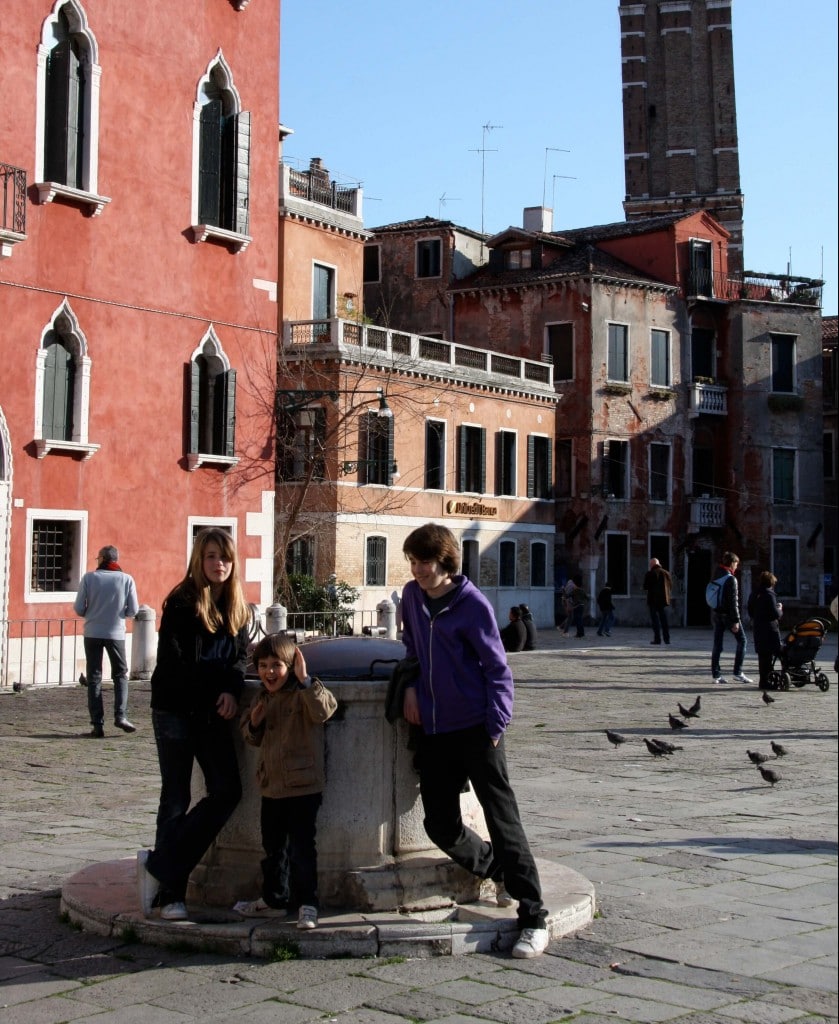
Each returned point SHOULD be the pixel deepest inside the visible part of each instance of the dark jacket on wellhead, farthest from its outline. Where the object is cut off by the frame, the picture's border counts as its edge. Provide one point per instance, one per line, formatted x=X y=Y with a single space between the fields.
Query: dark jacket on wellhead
x=194 y=666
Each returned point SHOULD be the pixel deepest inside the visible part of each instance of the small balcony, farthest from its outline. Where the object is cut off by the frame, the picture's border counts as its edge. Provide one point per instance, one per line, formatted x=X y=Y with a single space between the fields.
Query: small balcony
x=302 y=190
x=707 y=511
x=707 y=284
x=12 y=208
x=398 y=349
x=707 y=398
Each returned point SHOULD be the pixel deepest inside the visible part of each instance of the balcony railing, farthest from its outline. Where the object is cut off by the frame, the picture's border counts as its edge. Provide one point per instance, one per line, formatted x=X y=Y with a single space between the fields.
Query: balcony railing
x=708 y=398
x=314 y=188
x=803 y=291
x=12 y=207
x=706 y=511
x=337 y=333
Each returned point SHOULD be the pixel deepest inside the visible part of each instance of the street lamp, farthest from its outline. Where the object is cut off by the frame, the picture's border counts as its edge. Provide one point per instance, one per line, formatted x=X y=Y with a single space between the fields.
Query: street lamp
x=300 y=398
x=355 y=465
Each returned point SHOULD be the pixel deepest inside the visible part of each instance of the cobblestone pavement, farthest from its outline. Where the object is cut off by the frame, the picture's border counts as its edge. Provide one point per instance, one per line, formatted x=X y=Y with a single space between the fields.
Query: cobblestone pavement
x=716 y=891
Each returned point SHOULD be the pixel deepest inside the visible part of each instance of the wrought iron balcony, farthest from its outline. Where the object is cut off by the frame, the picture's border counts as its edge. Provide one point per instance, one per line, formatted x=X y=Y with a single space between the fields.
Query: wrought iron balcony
x=12 y=207
x=314 y=186
x=707 y=284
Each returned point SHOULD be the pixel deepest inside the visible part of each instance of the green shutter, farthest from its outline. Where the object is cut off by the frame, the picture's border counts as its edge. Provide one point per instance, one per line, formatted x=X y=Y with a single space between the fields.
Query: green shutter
x=59 y=377
x=194 y=385
x=209 y=165
x=230 y=413
x=62 y=142
x=482 y=465
x=242 y=171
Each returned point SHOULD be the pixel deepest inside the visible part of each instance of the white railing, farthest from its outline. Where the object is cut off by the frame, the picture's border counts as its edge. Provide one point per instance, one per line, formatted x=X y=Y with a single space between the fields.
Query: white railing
x=708 y=398
x=707 y=511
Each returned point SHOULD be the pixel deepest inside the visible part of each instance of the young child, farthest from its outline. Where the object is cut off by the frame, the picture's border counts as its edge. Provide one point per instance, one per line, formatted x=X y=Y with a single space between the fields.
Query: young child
x=286 y=722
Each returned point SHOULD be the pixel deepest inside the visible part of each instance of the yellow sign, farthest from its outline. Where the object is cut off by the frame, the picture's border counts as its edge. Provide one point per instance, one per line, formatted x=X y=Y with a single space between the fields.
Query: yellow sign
x=470 y=508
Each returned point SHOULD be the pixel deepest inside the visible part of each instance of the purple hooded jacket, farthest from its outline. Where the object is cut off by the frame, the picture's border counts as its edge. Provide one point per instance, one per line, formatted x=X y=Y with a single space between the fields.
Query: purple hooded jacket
x=464 y=677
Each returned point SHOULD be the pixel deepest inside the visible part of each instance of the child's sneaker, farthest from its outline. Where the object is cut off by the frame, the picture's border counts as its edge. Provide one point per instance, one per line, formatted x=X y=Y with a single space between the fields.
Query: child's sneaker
x=532 y=942
x=307 y=918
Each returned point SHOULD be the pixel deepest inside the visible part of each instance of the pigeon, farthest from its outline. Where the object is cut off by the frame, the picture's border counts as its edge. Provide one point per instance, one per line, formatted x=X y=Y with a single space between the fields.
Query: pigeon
x=668 y=748
x=767 y=699
x=676 y=723
x=658 y=748
x=17 y=687
x=756 y=757
x=82 y=679
x=769 y=774
x=695 y=706
x=615 y=737
x=688 y=712
x=778 y=750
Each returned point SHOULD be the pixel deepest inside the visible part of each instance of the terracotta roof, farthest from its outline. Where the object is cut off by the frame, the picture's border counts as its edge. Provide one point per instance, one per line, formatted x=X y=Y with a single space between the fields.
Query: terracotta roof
x=425 y=224
x=829 y=327
x=578 y=261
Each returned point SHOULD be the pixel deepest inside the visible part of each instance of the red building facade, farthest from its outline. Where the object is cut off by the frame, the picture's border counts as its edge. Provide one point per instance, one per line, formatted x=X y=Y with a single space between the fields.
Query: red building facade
x=138 y=266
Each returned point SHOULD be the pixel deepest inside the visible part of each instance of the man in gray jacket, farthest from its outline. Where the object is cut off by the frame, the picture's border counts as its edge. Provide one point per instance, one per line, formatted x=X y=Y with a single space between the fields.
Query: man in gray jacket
x=106 y=597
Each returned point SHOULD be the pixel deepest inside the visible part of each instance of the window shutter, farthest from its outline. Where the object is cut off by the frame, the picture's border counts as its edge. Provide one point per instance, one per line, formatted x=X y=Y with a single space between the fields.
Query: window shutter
x=63 y=149
x=389 y=449
x=531 y=467
x=194 y=384
x=462 y=448
x=242 y=172
x=59 y=375
x=230 y=413
x=482 y=466
x=549 y=463
x=209 y=165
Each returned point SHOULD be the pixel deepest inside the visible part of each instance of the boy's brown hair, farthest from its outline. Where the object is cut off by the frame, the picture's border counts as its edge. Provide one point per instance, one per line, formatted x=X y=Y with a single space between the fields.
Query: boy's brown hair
x=276 y=645
x=433 y=543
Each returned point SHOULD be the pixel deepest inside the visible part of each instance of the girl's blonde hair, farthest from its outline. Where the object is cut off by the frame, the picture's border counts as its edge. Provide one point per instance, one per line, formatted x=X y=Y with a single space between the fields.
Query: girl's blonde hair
x=231 y=611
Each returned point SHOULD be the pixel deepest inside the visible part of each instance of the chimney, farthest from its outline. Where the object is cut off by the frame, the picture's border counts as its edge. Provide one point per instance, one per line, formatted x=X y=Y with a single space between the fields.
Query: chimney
x=538 y=218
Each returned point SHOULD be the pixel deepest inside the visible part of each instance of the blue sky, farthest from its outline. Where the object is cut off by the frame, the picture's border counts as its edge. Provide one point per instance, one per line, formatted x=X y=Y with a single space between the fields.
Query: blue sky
x=397 y=96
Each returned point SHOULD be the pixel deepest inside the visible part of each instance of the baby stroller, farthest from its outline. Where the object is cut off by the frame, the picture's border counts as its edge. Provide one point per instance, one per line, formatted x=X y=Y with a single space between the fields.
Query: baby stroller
x=797 y=658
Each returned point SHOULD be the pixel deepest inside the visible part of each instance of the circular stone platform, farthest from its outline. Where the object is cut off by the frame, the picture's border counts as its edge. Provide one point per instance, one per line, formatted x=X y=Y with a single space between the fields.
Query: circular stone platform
x=102 y=899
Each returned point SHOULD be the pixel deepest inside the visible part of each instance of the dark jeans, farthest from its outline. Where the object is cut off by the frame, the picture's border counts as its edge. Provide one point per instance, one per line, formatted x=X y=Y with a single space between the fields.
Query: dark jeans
x=577 y=619
x=93 y=648
x=606 y=623
x=765 y=660
x=661 y=627
x=290 y=867
x=445 y=762
x=721 y=627
x=184 y=833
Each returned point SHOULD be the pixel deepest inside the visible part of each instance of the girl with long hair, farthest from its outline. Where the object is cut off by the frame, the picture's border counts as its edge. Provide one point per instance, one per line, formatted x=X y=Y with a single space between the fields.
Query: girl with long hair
x=195 y=686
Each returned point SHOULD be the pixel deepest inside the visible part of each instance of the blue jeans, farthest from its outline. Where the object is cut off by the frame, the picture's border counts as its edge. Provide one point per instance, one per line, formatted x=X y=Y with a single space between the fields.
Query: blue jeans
x=184 y=833
x=606 y=622
x=445 y=762
x=93 y=648
x=290 y=866
x=721 y=627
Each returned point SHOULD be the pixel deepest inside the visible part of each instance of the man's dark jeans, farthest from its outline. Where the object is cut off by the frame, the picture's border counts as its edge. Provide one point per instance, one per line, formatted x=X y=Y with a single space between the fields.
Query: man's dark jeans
x=184 y=834
x=445 y=762
x=93 y=649
x=661 y=627
x=721 y=627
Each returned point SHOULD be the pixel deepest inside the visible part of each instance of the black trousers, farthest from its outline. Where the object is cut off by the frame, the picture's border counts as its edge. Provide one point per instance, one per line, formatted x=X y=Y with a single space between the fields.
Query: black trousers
x=290 y=866
x=445 y=761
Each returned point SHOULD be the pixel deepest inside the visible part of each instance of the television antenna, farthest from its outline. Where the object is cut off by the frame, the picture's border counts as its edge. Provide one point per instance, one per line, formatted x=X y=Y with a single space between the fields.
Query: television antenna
x=441 y=202
x=487 y=128
x=570 y=177
x=549 y=149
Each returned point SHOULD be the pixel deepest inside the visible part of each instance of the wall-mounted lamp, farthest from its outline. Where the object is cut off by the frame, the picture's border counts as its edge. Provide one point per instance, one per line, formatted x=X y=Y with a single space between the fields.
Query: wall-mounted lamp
x=354 y=467
x=292 y=400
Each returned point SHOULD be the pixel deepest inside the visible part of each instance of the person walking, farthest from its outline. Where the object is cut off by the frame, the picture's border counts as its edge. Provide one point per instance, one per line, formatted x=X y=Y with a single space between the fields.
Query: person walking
x=514 y=634
x=285 y=721
x=578 y=605
x=658 y=584
x=765 y=611
x=195 y=688
x=727 y=620
x=462 y=702
x=530 y=627
x=607 y=610
x=106 y=597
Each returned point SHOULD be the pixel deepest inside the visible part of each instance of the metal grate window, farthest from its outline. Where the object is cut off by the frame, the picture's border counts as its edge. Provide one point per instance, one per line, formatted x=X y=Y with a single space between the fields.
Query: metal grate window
x=375 y=575
x=52 y=550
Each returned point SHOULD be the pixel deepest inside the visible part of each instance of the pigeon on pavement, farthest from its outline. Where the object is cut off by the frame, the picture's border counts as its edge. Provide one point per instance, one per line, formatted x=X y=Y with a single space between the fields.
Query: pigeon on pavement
x=676 y=723
x=769 y=774
x=767 y=699
x=657 y=747
x=777 y=749
x=615 y=737
x=654 y=748
x=756 y=757
x=688 y=712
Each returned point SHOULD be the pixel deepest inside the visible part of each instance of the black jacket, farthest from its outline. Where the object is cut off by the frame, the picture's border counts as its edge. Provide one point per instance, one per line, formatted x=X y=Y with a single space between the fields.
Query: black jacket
x=194 y=666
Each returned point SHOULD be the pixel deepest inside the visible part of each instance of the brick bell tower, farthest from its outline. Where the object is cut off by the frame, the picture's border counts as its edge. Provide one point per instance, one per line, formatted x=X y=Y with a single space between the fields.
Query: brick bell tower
x=679 y=114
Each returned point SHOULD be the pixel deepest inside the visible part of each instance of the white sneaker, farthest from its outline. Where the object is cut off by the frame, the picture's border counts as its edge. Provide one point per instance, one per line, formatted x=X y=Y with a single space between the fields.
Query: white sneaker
x=502 y=897
x=720 y=680
x=307 y=918
x=147 y=885
x=174 y=912
x=741 y=677
x=532 y=942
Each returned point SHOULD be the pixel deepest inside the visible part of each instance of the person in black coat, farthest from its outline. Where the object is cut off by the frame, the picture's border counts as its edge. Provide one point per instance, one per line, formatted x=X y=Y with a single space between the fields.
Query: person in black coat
x=514 y=634
x=765 y=610
x=530 y=626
